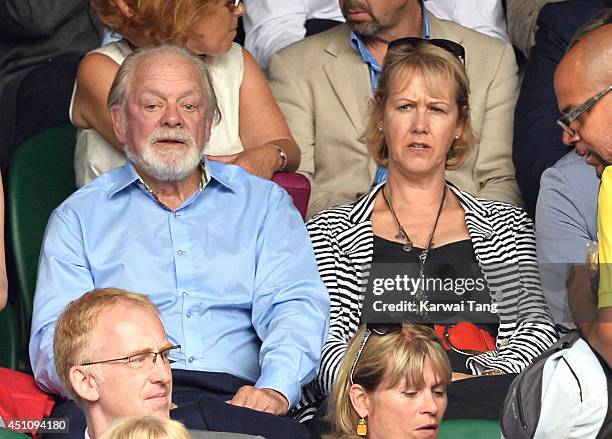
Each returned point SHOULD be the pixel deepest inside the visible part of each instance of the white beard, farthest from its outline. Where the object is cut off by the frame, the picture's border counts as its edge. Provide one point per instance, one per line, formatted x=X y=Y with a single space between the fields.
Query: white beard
x=167 y=164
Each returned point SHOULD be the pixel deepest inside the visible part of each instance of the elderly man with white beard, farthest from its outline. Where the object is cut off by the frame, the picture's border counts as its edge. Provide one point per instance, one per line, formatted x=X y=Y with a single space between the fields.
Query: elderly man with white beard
x=224 y=255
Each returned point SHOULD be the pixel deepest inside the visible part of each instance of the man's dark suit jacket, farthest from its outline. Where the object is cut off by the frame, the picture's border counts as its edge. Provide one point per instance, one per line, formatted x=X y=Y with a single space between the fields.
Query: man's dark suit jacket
x=537 y=141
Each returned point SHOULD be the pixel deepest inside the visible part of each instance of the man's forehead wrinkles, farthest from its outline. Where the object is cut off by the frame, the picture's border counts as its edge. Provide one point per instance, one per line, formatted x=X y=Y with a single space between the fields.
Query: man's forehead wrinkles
x=194 y=91
x=168 y=76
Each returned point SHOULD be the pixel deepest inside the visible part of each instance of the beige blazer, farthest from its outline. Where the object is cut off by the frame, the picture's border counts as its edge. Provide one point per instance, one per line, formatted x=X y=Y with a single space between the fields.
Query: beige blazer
x=323 y=88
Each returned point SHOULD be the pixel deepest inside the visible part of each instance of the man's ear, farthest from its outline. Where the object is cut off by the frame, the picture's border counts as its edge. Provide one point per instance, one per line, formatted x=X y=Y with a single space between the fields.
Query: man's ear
x=84 y=383
x=360 y=400
x=118 y=128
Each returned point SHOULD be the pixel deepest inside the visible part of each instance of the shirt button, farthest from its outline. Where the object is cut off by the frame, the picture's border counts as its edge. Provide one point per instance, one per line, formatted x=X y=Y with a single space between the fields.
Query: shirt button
x=188 y=314
x=185 y=293
x=180 y=252
x=176 y=214
x=190 y=359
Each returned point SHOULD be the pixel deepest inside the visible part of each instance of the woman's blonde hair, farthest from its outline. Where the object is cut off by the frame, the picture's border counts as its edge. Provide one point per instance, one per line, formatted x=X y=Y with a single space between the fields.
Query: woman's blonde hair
x=154 y=22
x=390 y=358
x=435 y=65
x=148 y=427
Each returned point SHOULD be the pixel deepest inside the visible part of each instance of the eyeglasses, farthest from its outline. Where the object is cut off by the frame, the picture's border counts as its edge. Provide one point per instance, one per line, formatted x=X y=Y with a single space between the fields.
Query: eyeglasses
x=450 y=46
x=565 y=121
x=378 y=329
x=143 y=359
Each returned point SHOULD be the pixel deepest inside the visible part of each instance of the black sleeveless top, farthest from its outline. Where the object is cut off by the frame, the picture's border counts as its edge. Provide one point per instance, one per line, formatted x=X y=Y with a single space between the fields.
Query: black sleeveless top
x=454 y=286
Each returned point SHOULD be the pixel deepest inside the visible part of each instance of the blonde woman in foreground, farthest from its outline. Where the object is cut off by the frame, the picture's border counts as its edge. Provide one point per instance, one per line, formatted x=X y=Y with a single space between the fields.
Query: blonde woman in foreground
x=149 y=427
x=392 y=383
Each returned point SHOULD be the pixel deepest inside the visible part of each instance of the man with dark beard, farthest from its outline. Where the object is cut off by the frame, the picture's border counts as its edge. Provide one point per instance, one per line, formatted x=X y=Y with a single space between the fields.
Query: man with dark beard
x=224 y=255
x=324 y=82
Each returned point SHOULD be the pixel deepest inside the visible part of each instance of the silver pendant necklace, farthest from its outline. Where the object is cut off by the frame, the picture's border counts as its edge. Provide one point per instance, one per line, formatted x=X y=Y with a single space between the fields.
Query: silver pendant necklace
x=408 y=245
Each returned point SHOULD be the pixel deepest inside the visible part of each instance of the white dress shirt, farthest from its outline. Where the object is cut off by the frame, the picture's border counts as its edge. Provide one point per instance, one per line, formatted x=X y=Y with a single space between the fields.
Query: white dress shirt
x=271 y=25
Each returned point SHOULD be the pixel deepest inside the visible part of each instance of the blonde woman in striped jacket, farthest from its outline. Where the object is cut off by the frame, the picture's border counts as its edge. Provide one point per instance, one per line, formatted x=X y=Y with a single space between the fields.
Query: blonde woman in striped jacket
x=420 y=127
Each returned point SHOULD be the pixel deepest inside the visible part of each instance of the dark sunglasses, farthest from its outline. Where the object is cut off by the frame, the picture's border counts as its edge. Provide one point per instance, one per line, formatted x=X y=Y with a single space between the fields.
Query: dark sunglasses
x=450 y=46
x=378 y=329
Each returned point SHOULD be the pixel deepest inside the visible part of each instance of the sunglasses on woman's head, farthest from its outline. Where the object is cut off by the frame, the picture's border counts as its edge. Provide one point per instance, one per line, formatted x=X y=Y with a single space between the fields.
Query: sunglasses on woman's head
x=378 y=329
x=450 y=46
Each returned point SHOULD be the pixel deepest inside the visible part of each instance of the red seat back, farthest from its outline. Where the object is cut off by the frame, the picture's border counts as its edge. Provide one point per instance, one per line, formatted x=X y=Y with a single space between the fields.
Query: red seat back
x=297 y=186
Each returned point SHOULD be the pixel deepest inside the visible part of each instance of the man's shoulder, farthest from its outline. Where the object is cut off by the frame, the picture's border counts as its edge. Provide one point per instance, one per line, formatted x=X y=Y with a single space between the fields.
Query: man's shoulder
x=468 y=37
x=561 y=12
x=242 y=183
x=573 y=167
x=571 y=178
x=334 y=39
x=488 y=61
x=558 y=21
x=94 y=193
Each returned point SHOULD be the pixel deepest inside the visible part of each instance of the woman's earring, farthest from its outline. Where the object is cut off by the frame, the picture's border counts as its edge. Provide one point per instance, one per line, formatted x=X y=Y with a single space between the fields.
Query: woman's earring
x=362 y=427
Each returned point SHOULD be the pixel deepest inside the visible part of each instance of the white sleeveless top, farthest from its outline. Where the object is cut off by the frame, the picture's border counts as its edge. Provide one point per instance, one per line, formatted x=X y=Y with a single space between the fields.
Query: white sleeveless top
x=94 y=155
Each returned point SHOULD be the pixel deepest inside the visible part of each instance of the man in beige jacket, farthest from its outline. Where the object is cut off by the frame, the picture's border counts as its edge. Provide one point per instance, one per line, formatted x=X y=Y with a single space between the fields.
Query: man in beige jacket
x=323 y=85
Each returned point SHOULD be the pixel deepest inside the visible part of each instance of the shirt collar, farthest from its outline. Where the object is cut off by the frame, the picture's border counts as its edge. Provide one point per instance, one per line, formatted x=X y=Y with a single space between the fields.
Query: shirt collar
x=127 y=175
x=362 y=208
x=359 y=46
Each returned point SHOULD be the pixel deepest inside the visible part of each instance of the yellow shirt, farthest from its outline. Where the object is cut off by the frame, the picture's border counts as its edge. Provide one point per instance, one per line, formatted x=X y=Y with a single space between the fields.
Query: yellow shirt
x=604 y=229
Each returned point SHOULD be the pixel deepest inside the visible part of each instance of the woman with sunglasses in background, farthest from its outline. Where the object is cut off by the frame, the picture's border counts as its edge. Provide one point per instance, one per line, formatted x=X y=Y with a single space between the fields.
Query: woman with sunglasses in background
x=472 y=261
x=391 y=384
x=252 y=132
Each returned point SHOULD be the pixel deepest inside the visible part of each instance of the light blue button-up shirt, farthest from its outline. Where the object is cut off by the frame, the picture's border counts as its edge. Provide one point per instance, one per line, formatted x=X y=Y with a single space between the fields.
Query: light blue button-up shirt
x=232 y=271
x=375 y=70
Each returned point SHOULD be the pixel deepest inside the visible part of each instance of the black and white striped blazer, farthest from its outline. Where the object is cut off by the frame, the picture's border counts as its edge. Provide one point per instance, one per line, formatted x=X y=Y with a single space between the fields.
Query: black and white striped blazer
x=504 y=244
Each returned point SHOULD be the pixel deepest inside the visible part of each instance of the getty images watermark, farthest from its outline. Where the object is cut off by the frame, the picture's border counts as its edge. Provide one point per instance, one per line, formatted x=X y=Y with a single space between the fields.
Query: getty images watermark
x=387 y=291
x=444 y=292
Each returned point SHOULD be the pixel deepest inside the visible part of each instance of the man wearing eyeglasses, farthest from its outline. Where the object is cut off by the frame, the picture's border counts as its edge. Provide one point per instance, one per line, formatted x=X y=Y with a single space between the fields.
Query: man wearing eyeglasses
x=566 y=213
x=113 y=356
x=582 y=80
x=323 y=85
x=583 y=84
